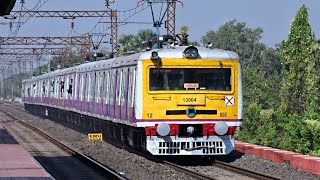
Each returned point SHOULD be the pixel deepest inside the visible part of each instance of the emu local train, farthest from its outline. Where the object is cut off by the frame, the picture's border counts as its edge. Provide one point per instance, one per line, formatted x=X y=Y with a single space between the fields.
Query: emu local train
x=182 y=100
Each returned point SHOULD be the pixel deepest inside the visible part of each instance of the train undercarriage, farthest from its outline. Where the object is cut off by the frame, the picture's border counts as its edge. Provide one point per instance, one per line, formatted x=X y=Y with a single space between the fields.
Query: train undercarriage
x=114 y=133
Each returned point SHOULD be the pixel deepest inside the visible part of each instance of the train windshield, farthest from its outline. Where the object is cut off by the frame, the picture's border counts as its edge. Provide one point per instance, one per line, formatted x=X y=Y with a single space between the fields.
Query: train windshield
x=217 y=79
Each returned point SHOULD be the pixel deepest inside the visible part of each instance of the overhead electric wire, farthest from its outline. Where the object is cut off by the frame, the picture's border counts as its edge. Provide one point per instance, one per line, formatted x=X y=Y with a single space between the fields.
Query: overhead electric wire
x=21 y=21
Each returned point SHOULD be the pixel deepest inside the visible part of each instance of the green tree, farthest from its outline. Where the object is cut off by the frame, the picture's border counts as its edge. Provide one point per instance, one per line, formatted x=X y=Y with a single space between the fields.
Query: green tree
x=133 y=42
x=237 y=37
x=127 y=42
x=260 y=64
x=300 y=81
x=261 y=77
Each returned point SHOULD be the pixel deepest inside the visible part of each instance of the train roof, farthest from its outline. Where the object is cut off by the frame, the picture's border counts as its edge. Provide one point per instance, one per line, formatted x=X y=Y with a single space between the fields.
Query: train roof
x=175 y=52
x=204 y=53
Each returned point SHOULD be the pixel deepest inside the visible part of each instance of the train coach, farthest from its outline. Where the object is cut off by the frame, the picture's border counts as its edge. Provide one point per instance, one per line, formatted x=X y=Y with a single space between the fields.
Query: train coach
x=182 y=100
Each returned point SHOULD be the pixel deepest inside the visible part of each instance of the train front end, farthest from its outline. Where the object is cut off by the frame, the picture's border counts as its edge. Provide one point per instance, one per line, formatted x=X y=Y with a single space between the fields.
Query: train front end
x=190 y=100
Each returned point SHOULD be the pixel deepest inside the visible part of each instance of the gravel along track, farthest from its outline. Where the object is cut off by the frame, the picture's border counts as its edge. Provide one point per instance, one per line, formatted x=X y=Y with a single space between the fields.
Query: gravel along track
x=56 y=161
x=137 y=167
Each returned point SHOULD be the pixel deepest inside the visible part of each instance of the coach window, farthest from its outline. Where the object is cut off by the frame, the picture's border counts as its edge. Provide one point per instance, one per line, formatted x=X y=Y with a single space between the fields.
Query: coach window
x=52 y=88
x=70 y=87
x=43 y=88
x=96 y=88
x=101 y=85
x=129 y=86
x=61 y=88
x=123 y=87
x=81 y=88
x=107 y=87
x=65 y=92
x=88 y=85
x=76 y=77
x=84 y=84
x=28 y=90
x=118 y=86
x=110 y=82
x=56 y=88
x=102 y=74
x=34 y=90
x=37 y=88
x=92 y=87
x=112 y=86
x=48 y=88
x=40 y=89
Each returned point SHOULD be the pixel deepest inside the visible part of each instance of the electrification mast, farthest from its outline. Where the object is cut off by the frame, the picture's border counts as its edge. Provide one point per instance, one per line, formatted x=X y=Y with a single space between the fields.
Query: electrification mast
x=171 y=17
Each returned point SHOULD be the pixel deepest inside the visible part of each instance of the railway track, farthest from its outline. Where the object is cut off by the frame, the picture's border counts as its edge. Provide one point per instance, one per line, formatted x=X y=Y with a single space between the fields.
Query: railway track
x=246 y=172
x=197 y=175
x=221 y=165
x=61 y=161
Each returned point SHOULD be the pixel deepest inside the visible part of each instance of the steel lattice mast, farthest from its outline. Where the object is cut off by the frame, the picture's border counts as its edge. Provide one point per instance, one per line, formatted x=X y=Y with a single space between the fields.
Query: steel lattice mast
x=171 y=17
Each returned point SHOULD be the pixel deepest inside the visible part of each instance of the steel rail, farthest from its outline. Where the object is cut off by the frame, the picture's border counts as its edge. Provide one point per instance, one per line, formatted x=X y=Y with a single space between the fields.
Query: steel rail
x=243 y=171
x=89 y=161
x=187 y=171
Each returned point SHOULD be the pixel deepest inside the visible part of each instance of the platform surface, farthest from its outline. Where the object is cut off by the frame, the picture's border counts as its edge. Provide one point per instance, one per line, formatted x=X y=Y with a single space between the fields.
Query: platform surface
x=16 y=162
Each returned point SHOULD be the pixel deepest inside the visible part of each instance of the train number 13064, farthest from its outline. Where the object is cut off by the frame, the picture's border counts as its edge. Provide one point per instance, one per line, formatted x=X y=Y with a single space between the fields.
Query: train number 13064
x=189 y=99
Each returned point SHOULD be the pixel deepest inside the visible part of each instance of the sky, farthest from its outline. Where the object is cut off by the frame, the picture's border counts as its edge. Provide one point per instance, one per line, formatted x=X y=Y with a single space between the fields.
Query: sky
x=201 y=16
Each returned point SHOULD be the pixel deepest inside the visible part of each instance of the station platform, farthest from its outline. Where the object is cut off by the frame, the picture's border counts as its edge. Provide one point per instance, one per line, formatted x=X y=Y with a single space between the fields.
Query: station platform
x=16 y=162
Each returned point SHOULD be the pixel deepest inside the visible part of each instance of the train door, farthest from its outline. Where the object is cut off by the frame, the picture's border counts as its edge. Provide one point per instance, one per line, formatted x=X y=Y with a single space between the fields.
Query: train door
x=58 y=91
x=69 y=90
x=93 y=91
x=131 y=93
x=101 y=80
x=55 y=93
x=106 y=101
x=88 y=86
x=65 y=92
x=98 y=91
x=76 y=91
x=113 y=91
x=118 y=93
x=61 y=89
x=124 y=94
x=48 y=91
x=84 y=92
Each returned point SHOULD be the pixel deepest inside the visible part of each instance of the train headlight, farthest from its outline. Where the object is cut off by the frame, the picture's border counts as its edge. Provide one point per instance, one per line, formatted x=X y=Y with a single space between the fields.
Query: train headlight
x=191 y=112
x=191 y=52
x=154 y=55
x=221 y=128
x=163 y=129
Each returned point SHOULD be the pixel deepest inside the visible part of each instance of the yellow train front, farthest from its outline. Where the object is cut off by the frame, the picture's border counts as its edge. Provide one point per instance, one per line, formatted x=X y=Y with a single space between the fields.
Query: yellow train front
x=189 y=100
